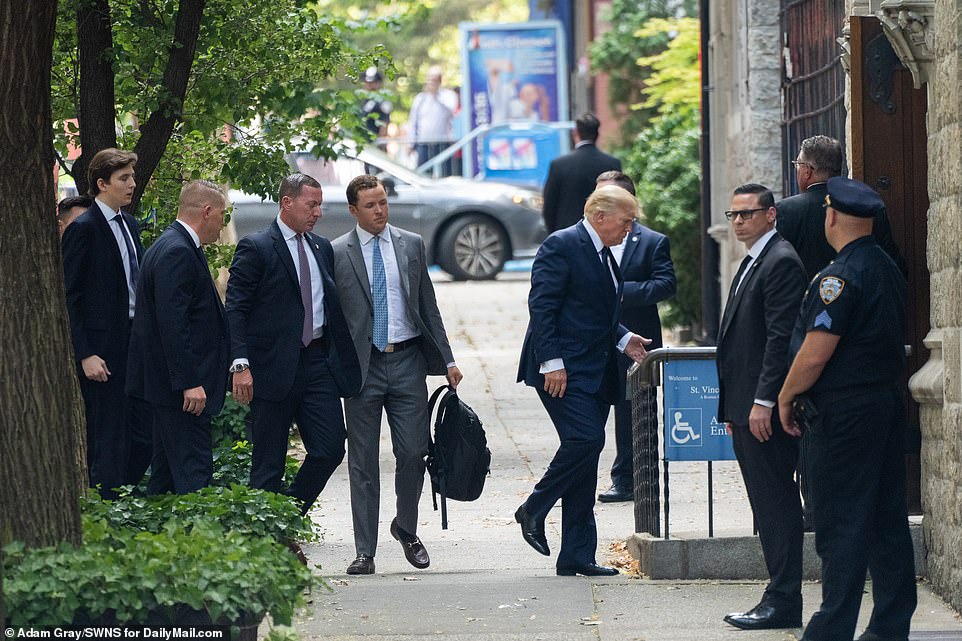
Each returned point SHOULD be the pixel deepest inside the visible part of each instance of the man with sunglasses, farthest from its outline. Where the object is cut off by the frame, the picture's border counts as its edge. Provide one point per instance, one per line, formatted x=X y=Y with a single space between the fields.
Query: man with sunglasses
x=763 y=302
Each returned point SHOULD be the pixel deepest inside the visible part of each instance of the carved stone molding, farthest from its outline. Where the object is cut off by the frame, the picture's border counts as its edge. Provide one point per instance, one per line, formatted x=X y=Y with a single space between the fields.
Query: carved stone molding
x=908 y=24
x=927 y=385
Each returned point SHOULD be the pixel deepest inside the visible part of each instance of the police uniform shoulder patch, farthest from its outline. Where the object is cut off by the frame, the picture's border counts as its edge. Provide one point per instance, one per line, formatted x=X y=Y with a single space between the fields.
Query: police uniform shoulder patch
x=829 y=288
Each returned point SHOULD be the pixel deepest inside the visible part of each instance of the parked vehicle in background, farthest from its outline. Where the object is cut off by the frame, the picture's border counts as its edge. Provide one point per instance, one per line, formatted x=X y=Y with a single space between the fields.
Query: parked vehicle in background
x=469 y=228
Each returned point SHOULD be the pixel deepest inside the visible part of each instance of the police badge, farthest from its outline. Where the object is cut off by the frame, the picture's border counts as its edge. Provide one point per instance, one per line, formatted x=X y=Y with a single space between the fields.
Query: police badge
x=829 y=288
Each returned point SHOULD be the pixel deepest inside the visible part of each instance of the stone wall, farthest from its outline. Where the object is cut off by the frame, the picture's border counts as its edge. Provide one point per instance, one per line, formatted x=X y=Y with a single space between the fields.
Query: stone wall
x=942 y=412
x=745 y=76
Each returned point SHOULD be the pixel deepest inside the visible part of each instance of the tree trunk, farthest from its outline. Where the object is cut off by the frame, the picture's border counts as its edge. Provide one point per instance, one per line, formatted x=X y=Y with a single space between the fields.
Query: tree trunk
x=156 y=131
x=97 y=109
x=41 y=414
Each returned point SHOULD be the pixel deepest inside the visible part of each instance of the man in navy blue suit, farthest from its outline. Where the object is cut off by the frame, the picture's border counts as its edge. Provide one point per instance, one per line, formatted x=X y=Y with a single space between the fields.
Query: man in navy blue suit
x=644 y=257
x=101 y=260
x=570 y=357
x=292 y=352
x=179 y=348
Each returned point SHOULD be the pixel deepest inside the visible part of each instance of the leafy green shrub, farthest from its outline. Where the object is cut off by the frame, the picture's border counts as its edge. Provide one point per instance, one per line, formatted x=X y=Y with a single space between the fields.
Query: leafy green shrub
x=231 y=424
x=123 y=576
x=254 y=513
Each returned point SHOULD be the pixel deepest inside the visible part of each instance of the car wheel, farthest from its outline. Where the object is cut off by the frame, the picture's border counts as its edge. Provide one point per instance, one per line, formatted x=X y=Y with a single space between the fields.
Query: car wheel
x=473 y=248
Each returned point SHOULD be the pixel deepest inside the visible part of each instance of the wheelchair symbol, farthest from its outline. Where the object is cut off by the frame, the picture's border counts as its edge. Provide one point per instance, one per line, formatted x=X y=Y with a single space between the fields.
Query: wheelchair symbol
x=682 y=431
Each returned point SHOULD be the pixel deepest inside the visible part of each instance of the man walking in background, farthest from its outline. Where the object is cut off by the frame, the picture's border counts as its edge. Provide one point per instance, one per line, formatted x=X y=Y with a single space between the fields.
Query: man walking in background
x=644 y=257
x=101 y=261
x=288 y=335
x=431 y=118
x=571 y=178
x=763 y=303
x=399 y=338
x=179 y=347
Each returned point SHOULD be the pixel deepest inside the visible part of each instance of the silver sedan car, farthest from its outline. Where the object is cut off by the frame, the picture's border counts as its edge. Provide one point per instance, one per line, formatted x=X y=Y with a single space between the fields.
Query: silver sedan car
x=469 y=228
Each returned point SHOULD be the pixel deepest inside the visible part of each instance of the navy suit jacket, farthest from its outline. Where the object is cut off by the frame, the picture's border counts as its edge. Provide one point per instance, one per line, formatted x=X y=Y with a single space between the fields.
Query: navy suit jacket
x=96 y=288
x=266 y=316
x=649 y=277
x=752 y=356
x=571 y=179
x=573 y=315
x=179 y=338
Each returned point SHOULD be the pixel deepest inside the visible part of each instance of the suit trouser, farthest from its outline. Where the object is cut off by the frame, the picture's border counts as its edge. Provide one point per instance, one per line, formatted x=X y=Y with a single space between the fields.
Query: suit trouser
x=768 y=470
x=183 y=457
x=314 y=403
x=572 y=475
x=119 y=428
x=395 y=384
x=856 y=467
x=623 y=468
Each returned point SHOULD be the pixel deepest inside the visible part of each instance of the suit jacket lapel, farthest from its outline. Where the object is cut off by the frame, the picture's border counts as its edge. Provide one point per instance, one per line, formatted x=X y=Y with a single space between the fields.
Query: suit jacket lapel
x=749 y=275
x=598 y=266
x=100 y=221
x=280 y=246
x=631 y=245
x=357 y=262
x=400 y=254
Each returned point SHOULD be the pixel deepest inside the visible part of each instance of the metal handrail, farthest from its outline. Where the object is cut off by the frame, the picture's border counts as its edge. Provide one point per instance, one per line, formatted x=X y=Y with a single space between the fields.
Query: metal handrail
x=646 y=372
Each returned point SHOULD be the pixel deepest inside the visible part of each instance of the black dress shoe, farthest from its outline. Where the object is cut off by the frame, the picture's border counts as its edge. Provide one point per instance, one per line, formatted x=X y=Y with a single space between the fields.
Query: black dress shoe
x=591 y=569
x=616 y=494
x=414 y=550
x=532 y=531
x=868 y=635
x=765 y=616
x=361 y=565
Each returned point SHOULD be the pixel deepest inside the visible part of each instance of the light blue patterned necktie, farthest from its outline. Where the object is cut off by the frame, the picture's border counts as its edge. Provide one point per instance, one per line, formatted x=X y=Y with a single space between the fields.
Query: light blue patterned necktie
x=379 y=294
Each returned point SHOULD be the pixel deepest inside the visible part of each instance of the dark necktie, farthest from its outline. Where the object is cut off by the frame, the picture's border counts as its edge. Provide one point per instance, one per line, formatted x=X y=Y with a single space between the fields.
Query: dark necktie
x=379 y=294
x=736 y=283
x=307 y=300
x=131 y=252
x=611 y=267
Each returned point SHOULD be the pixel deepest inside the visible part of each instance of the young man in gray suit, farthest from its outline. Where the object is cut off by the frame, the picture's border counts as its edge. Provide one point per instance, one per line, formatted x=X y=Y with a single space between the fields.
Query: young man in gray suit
x=394 y=321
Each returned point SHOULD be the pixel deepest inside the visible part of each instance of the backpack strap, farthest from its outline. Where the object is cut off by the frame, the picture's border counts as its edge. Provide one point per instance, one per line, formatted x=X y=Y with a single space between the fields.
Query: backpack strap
x=442 y=484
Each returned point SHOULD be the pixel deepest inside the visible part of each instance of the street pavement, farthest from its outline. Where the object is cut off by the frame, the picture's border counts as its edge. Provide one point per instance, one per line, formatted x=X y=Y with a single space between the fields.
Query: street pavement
x=485 y=583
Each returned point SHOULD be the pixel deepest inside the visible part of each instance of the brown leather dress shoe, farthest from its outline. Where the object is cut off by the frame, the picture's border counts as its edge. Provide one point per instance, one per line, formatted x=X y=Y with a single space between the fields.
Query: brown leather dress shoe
x=414 y=550
x=361 y=565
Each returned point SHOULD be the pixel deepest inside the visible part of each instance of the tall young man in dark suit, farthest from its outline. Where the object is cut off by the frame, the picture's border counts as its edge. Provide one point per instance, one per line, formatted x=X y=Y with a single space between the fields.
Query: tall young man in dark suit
x=571 y=178
x=291 y=349
x=179 y=347
x=101 y=259
x=388 y=298
x=644 y=257
x=763 y=302
x=570 y=357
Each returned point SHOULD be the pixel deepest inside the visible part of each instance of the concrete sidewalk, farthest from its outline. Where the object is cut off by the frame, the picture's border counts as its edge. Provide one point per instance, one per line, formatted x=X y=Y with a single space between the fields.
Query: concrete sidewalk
x=484 y=582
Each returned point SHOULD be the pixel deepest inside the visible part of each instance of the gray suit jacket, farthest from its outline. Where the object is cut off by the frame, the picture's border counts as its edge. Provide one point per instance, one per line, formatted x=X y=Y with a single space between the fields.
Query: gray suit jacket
x=354 y=289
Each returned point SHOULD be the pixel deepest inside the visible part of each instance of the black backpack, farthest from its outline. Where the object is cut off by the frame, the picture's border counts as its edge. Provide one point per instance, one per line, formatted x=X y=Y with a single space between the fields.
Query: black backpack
x=458 y=457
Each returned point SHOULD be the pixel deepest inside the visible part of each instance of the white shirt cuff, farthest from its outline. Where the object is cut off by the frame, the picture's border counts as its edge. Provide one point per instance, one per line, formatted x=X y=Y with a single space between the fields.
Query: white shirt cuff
x=552 y=365
x=623 y=343
x=240 y=361
x=768 y=404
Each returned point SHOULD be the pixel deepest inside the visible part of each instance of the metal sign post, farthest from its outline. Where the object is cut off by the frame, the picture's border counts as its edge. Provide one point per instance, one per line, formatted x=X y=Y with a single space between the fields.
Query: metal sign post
x=691 y=428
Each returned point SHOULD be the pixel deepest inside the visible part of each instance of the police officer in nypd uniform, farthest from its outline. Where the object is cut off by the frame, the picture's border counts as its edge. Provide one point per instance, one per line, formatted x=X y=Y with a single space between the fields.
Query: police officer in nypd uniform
x=847 y=362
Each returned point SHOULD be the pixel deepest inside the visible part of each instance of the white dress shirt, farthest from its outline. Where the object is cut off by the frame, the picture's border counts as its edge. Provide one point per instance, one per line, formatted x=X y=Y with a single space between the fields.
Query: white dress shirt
x=399 y=325
x=317 y=285
x=119 y=229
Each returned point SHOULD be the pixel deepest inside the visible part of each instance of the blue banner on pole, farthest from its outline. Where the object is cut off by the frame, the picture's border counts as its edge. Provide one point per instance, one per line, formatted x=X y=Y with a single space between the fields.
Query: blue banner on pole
x=692 y=430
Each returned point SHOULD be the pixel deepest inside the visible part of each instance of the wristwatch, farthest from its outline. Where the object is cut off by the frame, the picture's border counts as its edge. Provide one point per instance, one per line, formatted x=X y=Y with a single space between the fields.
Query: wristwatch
x=239 y=367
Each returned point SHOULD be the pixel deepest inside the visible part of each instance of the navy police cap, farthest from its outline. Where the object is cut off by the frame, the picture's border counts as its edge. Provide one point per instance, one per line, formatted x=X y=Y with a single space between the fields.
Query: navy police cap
x=853 y=197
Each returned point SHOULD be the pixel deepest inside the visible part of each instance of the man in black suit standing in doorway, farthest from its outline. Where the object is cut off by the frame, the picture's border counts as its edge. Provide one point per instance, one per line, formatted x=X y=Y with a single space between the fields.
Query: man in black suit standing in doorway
x=179 y=348
x=752 y=361
x=571 y=178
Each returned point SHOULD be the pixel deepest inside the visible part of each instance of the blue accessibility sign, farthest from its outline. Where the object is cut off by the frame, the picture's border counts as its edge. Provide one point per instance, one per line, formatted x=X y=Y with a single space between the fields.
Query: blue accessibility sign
x=692 y=430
